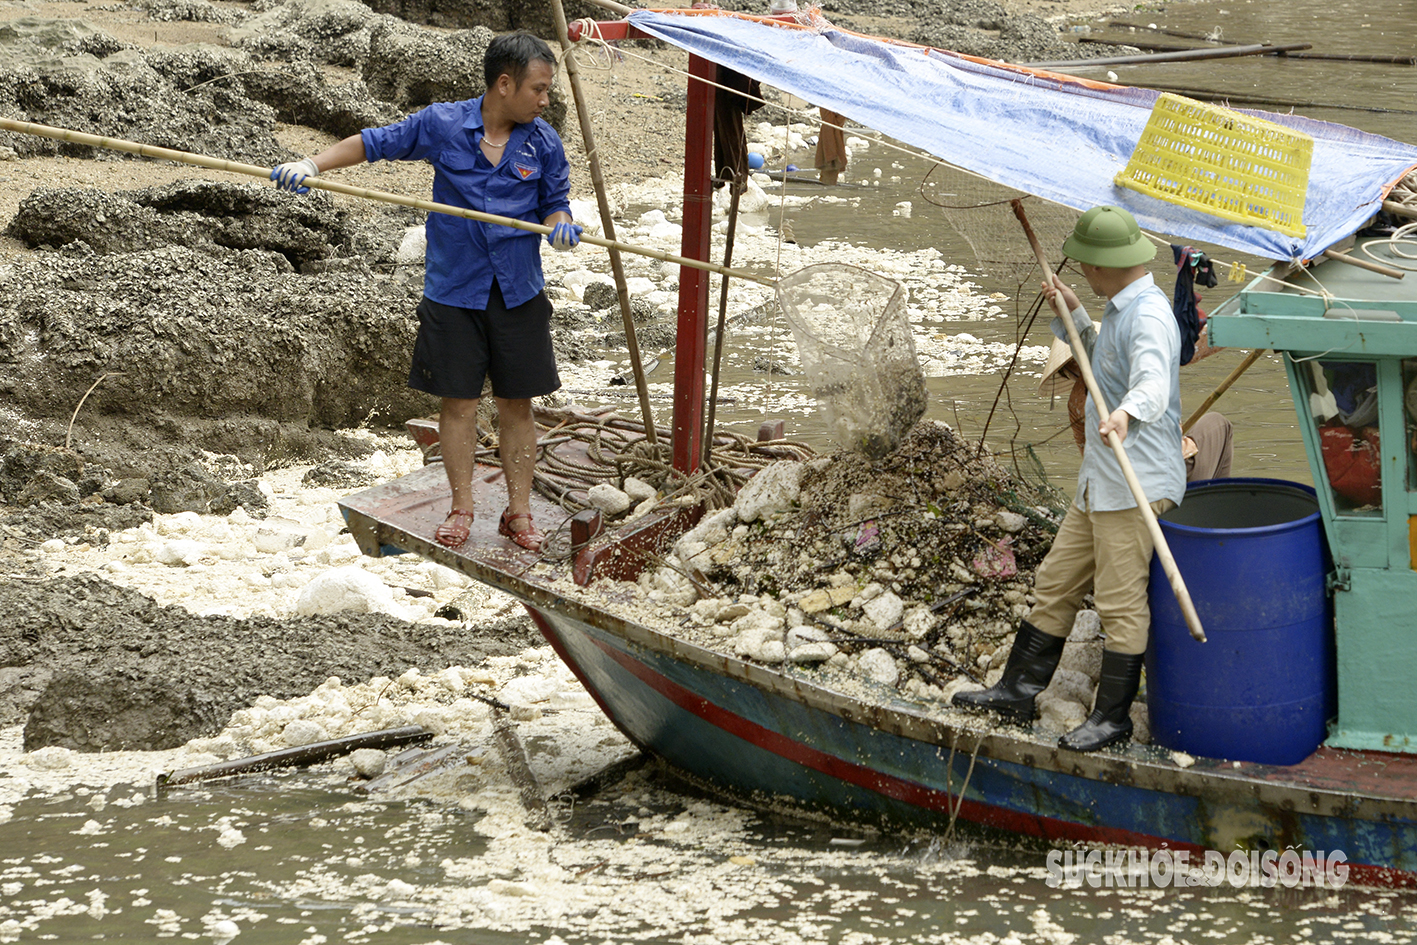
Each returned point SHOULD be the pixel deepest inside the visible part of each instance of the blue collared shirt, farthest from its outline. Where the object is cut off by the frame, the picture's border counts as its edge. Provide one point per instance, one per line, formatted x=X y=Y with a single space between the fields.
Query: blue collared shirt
x=532 y=181
x=1136 y=358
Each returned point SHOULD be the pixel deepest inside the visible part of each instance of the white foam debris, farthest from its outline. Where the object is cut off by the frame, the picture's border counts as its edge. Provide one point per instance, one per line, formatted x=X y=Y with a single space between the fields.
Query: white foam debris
x=228 y=836
x=638 y=490
x=302 y=732
x=349 y=589
x=179 y=553
x=368 y=762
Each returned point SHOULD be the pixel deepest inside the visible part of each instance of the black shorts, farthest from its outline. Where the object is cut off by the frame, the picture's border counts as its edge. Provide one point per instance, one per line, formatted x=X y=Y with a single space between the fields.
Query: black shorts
x=457 y=348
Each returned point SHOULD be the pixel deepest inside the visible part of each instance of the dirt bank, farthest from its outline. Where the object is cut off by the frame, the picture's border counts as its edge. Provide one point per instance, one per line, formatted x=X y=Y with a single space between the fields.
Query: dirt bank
x=95 y=667
x=170 y=335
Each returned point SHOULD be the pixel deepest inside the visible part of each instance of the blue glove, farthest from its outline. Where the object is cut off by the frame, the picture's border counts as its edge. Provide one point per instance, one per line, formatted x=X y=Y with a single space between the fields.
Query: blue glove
x=564 y=236
x=292 y=176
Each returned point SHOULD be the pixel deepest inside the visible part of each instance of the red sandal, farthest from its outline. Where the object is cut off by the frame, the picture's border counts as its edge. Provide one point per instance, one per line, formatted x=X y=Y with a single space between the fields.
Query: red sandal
x=529 y=538
x=455 y=528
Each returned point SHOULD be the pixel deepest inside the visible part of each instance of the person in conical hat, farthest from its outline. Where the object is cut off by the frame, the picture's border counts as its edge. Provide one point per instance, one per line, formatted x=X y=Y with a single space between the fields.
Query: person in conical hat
x=1103 y=545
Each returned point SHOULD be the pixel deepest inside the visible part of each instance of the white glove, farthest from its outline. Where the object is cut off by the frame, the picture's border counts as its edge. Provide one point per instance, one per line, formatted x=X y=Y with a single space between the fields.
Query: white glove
x=292 y=176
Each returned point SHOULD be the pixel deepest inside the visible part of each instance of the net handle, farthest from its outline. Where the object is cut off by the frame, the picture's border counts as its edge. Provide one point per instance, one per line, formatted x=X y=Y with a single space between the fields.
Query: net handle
x=1163 y=550
x=201 y=160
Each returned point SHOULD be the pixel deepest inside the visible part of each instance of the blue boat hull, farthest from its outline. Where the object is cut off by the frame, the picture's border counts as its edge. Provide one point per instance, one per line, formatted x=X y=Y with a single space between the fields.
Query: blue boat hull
x=749 y=739
x=781 y=733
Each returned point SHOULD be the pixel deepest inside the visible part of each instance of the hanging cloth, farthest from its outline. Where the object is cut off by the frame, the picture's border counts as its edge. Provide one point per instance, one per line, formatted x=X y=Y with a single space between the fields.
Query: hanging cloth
x=730 y=143
x=1192 y=266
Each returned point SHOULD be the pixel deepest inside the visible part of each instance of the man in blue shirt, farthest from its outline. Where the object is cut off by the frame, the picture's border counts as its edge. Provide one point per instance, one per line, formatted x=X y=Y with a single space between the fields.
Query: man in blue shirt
x=484 y=311
x=1103 y=545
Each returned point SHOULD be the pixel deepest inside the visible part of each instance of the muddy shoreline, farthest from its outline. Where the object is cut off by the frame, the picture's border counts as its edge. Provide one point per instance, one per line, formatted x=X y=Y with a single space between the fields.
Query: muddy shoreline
x=173 y=340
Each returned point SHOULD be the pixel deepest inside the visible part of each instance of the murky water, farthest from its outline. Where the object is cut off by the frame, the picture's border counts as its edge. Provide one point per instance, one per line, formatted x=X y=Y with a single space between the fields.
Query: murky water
x=645 y=858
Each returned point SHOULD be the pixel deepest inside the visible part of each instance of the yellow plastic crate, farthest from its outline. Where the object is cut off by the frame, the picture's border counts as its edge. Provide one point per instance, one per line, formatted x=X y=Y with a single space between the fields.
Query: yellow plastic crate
x=1221 y=162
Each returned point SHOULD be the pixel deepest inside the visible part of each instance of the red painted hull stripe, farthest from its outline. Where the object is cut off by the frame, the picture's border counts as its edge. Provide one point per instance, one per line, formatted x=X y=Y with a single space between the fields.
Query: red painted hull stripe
x=908 y=792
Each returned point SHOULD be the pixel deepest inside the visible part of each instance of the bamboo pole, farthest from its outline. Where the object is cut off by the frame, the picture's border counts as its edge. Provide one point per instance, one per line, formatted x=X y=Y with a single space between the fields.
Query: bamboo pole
x=1379 y=268
x=1401 y=209
x=1221 y=388
x=597 y=181
x=319 y=183
x=739 y=177
x=1163 y=550
x=613 y=7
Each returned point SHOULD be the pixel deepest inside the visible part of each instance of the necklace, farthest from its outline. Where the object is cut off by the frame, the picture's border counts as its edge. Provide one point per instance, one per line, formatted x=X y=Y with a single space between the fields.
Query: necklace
x=493 y=144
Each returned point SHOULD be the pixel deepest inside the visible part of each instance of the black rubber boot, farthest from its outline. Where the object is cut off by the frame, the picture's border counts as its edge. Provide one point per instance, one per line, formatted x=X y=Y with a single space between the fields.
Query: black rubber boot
x=1110 y=721
x=1032 y=660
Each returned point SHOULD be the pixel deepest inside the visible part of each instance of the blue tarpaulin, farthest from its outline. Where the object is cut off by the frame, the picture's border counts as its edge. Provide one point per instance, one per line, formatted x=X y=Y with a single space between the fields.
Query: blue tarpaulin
x=1059 y=138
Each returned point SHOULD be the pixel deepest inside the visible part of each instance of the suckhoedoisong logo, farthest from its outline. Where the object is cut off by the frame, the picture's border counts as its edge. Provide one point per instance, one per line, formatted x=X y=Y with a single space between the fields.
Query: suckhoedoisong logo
x=1133 y=869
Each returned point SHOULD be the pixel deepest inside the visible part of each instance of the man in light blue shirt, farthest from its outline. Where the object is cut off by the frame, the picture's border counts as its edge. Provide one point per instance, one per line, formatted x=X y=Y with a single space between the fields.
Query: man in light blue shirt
x=1103 y=545
x=484 y=313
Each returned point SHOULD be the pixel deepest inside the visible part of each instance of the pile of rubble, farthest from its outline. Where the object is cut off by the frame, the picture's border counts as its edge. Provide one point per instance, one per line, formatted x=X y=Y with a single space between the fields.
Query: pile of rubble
x=901 y=578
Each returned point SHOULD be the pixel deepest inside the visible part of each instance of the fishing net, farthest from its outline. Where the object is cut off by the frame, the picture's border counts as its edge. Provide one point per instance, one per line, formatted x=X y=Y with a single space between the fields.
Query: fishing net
x=854 y=338
x=1032 y=495
x=979 y=211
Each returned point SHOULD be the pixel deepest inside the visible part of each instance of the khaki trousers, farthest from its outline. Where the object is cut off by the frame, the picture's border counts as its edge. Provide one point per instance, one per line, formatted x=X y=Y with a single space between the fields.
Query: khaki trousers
x=1108 y=553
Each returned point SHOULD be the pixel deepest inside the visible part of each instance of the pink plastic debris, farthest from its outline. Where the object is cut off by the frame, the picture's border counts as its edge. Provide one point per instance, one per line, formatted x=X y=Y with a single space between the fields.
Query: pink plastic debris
x=996 y=560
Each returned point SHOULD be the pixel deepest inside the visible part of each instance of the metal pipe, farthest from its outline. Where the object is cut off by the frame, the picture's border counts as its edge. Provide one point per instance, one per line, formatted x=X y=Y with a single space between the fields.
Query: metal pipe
x=1240 y=98
x=1113 y=39
x=1355 y=57
x=295 y=757
x=1189 y=55
x=691 y=335
x=1163 y=30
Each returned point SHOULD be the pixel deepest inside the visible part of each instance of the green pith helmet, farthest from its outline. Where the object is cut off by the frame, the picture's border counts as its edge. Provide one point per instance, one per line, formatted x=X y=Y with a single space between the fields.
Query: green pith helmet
x=1109 y=236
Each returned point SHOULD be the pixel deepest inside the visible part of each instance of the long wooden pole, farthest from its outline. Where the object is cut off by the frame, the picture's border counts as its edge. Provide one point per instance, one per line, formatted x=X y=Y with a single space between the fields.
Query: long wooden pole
x=1163 y=550
x=1221 y=388
x=598 y=183
x=1379 y=268
x=613 y=7
x=1401 y=209
x=319 y=183
x=739 y=181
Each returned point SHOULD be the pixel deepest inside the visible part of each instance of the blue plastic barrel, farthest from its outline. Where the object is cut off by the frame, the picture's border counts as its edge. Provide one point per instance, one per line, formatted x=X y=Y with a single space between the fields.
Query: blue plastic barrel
x=1262 y=688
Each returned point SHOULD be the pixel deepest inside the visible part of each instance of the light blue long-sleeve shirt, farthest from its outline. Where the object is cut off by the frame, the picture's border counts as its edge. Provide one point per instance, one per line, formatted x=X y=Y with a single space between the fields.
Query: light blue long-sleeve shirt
x=1136 y=358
